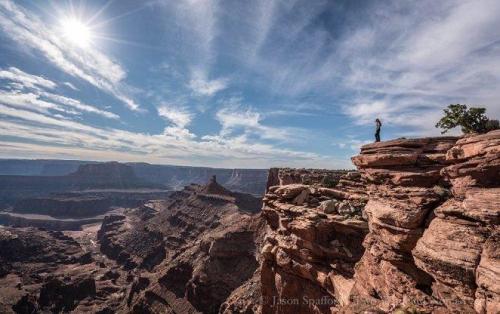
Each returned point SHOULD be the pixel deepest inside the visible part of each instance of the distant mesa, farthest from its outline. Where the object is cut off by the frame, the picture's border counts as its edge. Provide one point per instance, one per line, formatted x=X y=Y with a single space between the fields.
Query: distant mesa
x=93 y=176
x=109 y=170
x=107 y=175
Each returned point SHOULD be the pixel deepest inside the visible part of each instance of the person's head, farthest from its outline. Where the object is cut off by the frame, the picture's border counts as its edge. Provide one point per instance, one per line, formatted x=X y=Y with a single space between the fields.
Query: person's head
x=377 y=120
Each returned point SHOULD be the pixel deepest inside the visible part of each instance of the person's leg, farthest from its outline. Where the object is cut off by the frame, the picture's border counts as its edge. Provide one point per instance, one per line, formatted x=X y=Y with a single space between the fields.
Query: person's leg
x=377 y=136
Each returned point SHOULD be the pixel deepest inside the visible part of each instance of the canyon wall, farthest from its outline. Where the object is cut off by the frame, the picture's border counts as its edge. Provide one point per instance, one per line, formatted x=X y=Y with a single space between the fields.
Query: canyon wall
x=416 y=229
x=314 y=240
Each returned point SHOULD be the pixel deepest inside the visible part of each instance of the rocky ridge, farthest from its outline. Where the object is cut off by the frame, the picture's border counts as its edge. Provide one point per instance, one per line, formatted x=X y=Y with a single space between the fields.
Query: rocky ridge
x=192 y=250
x=415 y=230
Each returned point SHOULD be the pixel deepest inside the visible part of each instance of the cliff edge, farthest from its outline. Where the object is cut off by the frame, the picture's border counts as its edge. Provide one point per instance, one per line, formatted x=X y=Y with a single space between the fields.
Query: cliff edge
x=416 y=228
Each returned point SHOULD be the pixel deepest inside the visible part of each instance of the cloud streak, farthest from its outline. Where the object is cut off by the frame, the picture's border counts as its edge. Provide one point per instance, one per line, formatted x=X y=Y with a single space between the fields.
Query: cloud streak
x=49 y=132
x=30 y=91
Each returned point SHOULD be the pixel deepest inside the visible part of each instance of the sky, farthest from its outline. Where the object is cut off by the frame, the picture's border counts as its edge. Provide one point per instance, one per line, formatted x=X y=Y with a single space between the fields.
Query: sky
x=237 y=84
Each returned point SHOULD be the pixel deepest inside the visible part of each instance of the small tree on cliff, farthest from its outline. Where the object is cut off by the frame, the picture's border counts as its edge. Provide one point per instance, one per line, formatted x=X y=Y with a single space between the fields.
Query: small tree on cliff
x=471 y=120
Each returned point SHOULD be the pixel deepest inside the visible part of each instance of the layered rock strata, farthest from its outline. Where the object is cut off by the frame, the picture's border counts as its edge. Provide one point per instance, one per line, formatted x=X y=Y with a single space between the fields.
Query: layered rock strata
x=313 y=243
x=49 y=272
x=415 y=230
x=433 y=213
x=191 y=250
x=404 y=186
x=460 y=248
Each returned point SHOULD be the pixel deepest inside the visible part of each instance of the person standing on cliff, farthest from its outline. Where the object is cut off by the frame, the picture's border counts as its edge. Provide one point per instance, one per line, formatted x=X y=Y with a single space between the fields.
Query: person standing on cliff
x=378 y=125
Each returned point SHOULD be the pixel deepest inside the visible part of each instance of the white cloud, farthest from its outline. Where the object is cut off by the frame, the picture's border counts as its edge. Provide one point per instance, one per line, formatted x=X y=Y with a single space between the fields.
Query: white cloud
x=179 y=116
x=70 y=102
x=70 y=85
x=53 y=136
x=29 y=101
x=29 y=93
x=201 y=86
x=32 y=81
x=235 y=117
x=88 y=64
x=413 y=65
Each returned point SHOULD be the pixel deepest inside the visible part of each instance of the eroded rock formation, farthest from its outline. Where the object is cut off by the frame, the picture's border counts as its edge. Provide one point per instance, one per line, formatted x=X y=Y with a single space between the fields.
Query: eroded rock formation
x=314 y=242
x=404 y=186
x=188 y=253
x=460 y=248
x=415 y=230
x=192 y=250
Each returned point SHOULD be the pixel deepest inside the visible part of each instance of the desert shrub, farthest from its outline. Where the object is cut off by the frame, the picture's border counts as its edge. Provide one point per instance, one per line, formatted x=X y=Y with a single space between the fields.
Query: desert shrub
x=329 y=181
x=470 y=120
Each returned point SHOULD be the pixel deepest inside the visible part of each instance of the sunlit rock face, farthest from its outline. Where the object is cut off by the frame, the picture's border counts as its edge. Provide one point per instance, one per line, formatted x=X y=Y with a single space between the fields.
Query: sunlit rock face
x=433 y=212
x=460 y=248
x=415 y=229
x=404 y=186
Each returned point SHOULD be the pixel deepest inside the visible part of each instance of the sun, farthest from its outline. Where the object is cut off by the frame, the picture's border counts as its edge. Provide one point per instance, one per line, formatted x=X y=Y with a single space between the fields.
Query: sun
x=76 y=32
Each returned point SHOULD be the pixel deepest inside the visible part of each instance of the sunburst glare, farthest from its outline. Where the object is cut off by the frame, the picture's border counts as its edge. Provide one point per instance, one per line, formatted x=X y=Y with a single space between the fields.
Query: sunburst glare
x=76 y=32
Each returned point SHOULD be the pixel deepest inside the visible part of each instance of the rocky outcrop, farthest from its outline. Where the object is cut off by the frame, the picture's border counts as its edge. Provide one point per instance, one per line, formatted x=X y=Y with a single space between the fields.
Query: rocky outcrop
x=415 y=230
x=433 y=213
x=125 y=239
x=285 y=176
x=314 y=241
x=459 y=249
x=404 y=186
x=44 y=271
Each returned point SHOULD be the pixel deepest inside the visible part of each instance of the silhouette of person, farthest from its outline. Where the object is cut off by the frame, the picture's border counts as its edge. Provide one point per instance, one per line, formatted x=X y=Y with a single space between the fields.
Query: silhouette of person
x=378 y=125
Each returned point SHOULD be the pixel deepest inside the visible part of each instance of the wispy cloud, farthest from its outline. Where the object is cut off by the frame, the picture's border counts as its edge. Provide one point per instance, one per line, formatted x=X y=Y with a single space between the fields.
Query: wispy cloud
x=296 y=70
x=78 y=105
x=202 y=86
x=88 y=64
x=28 y=80
x=443 y=52
x=179 y=116
x=80 y=139
x=235 y=117
x=70 y=85
x=35 y=93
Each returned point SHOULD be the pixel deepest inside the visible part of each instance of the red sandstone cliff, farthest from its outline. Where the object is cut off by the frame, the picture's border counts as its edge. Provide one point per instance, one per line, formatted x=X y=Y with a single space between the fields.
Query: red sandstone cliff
x=427 y=239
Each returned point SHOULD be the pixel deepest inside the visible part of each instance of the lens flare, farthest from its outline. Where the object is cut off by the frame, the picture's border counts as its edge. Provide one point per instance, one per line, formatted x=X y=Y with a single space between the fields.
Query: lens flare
x=76 y=32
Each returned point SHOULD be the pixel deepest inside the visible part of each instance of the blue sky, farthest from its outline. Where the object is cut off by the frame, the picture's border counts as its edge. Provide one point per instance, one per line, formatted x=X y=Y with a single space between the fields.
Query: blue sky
x=250 y=84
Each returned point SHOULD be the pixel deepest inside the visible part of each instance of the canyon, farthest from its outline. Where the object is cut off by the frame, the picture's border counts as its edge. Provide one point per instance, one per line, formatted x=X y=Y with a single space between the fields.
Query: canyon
x=414 y=229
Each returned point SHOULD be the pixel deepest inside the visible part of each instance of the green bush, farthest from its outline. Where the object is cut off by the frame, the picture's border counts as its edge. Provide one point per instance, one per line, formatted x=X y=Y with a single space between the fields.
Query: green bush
x=471 y=120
